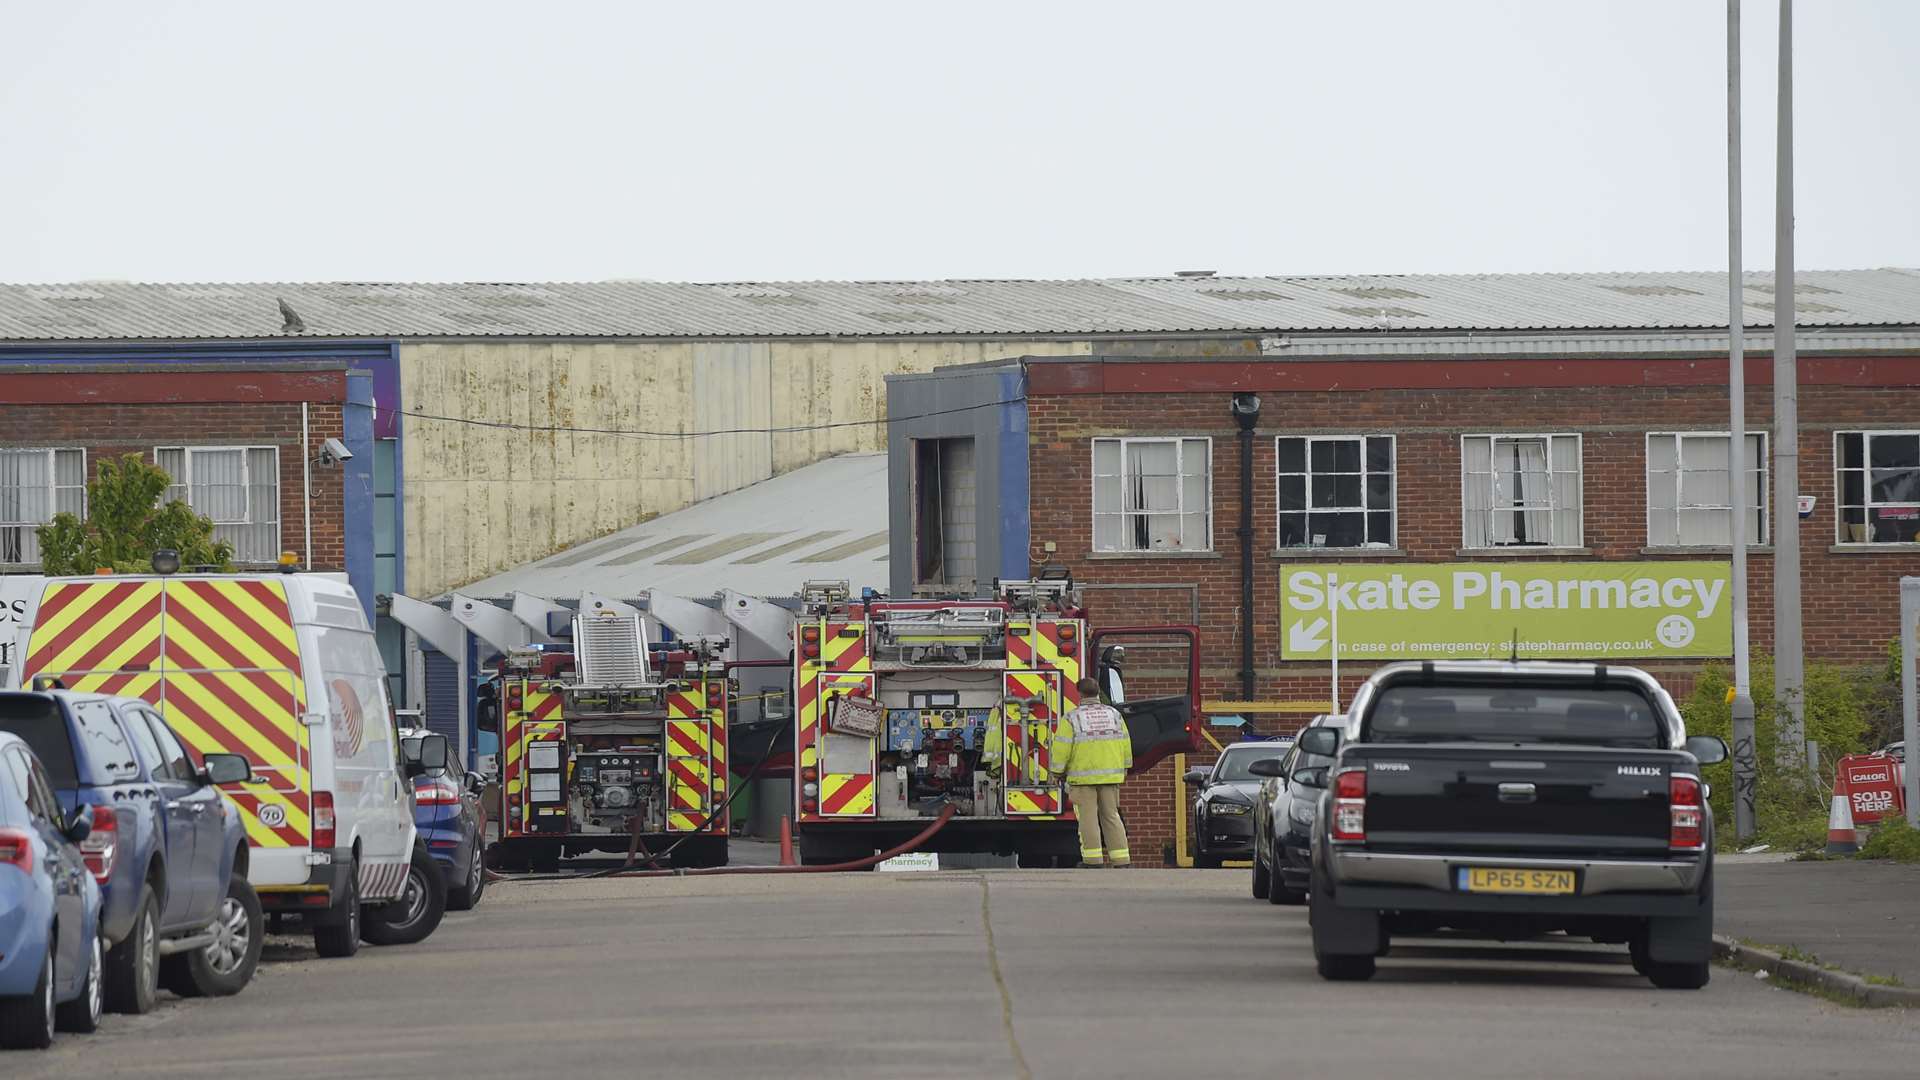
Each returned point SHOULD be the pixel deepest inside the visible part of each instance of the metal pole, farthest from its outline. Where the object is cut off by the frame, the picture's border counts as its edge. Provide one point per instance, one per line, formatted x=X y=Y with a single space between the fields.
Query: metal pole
x=1746 y=762
x=1333 y=647
x=1909 y=704
x=1789 y=660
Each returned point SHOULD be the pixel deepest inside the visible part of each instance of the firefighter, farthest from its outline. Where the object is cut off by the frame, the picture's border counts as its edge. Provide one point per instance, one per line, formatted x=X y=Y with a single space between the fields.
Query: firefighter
x=1092 y=751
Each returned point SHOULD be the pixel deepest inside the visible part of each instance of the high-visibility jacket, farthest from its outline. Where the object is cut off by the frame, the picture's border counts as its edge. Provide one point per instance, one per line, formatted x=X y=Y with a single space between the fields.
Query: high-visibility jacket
x=1091 y=746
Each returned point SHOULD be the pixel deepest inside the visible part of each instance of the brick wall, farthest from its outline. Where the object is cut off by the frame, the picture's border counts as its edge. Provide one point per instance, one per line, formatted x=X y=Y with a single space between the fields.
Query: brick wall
x=1851 y=597
x=112 y=415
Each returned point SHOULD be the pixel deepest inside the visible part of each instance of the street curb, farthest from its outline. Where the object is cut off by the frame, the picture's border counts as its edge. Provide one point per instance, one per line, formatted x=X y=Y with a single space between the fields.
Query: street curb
x=1838 y=982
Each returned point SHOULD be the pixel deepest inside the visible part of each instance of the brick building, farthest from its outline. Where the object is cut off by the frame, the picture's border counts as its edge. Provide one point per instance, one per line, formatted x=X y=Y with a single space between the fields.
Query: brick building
x=1543 y=452
x=232 y=440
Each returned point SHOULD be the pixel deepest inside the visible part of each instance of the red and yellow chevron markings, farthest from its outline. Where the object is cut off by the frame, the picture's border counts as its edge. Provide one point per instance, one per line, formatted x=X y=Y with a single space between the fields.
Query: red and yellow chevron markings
x=845 y=794
x=690 y=771
x=539 y=719
x=219 y=659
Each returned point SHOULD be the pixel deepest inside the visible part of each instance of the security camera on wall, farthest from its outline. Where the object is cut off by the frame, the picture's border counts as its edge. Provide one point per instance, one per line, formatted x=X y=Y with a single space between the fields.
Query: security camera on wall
x=333 y=452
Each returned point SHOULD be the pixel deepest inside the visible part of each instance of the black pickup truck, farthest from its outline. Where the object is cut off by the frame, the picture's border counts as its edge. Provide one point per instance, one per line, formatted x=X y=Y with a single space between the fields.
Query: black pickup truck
x=1510 y=800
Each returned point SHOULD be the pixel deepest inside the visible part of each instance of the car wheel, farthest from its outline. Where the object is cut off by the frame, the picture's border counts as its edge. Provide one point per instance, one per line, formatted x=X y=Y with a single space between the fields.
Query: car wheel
x=338 y=934
x=26 y=1023
x=225 y=967
x=416 y=913
x=468 y=894
x=133 y=966
x=1262 y=877
x=82 y=1014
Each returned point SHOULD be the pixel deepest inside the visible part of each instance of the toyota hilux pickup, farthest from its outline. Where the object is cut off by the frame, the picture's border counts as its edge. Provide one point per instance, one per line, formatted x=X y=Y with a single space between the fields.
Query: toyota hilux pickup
x=1509 y=800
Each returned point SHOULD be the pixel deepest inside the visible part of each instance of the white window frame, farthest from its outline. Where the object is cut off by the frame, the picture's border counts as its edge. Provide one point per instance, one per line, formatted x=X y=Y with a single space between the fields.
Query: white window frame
x=53 y=487
x=185 y=484
x=1867 y=503
x=1758 y=492
x=1393 y=490
x=1179 y=463
x=1496 y=439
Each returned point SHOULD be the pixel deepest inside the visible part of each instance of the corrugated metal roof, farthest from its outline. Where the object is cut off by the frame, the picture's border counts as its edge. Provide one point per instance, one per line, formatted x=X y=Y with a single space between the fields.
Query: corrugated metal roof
x=750 y=541
x=1418 y=303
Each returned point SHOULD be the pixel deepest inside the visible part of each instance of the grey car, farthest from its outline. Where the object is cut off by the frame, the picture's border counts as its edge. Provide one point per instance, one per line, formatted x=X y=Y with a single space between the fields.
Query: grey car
x=1223 y=801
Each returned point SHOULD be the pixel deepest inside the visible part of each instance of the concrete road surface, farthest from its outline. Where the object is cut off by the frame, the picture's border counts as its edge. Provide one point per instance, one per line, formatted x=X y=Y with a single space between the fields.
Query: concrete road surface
x=1138 y=973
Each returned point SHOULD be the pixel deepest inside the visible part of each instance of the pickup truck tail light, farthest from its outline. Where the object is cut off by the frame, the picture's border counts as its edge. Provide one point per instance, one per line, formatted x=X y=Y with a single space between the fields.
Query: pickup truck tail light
x=16 y=849
x=102 y=845
x=1350 y=806
x=1684 y=802
x=323 y=835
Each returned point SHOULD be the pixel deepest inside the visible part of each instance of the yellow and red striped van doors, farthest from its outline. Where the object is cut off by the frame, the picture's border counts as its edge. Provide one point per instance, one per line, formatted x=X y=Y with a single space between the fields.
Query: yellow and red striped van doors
x=217 y=657
x=100 y=637
x=232 y=684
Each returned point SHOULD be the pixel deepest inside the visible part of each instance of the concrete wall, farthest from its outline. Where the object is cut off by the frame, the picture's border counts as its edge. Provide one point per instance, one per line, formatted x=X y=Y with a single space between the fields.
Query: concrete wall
x=480 y=499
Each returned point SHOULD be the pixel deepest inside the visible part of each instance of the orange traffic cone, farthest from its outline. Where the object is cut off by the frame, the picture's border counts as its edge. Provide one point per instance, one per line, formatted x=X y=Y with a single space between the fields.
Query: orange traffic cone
x=1841 y=839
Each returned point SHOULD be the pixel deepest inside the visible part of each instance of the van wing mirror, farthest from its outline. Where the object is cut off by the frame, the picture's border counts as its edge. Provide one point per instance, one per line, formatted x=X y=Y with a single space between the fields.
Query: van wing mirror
x=1322 y=741
x=1707 y=749
x=226 y=769
x=431 y=753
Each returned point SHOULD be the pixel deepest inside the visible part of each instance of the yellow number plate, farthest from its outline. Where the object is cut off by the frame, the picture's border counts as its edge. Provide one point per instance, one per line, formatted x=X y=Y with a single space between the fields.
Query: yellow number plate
x=1492 y=879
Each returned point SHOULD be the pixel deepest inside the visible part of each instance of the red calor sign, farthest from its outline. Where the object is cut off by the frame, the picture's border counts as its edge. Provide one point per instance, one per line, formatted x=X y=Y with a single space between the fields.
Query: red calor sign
x=1871 y=783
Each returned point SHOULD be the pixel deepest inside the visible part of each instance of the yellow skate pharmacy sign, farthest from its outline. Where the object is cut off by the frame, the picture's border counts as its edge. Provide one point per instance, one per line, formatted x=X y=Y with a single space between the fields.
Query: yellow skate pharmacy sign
x=1557 y=611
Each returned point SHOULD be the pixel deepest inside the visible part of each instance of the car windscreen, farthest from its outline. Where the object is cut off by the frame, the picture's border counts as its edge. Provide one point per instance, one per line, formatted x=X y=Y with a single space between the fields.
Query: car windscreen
x=37 y=720
x=1509 y=713
x=1235 y=763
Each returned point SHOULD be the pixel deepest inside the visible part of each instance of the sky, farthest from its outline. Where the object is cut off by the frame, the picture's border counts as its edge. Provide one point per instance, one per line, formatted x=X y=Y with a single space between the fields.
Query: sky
x=575 y=141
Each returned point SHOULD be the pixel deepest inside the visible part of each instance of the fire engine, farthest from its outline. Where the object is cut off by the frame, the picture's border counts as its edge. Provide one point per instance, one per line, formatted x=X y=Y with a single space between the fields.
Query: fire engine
x=611 y=740
x=902 y=707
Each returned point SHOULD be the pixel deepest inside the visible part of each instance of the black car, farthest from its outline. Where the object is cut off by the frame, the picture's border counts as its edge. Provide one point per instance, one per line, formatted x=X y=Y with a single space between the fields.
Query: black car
x=1283 y=814
x=1223 y=801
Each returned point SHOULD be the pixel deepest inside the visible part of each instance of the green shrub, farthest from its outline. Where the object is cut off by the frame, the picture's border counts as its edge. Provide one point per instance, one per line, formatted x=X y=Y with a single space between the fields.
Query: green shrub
x=1893 y=839
x=1790 y=809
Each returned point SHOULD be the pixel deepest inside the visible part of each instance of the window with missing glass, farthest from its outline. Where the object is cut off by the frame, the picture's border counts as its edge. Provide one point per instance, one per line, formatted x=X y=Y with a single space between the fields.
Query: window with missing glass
x=1520 y=491
x=237 y=486
x=1877 y=480
x=1689 y=493
x=35 y=484
x=1152 y=495
x=1335 y=491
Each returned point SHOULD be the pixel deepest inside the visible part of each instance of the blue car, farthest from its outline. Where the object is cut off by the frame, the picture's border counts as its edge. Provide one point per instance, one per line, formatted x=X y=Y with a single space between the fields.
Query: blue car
x=168 y=851
x=50 y=952
x=452 y=823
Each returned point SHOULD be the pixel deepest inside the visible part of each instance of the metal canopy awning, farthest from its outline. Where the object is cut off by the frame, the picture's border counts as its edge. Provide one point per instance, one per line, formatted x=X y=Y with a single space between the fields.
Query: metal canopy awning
x=826 y=521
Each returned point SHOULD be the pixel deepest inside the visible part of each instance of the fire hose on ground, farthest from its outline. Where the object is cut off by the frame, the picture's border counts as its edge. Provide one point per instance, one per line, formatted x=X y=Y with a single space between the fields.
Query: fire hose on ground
x=911 y=844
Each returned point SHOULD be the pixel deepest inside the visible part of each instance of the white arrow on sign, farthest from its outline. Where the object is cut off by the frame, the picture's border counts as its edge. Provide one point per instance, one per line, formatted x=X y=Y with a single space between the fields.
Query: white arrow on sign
x=1304 y=637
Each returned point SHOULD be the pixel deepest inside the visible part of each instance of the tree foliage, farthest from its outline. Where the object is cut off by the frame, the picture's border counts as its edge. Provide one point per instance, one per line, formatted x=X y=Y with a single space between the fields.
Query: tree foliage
x=126 y=523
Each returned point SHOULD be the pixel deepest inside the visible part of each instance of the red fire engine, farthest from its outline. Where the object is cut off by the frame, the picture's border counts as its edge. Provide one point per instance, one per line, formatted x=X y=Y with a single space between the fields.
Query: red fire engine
x=610 y=740
x=902 y=707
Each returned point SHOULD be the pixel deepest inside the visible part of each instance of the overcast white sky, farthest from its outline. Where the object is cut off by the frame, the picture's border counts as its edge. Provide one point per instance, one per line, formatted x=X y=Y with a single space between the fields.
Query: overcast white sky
x=497 y=141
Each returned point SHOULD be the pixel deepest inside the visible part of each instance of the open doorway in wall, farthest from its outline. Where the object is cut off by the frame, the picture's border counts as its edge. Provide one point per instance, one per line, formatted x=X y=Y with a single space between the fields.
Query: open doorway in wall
x=945 y=522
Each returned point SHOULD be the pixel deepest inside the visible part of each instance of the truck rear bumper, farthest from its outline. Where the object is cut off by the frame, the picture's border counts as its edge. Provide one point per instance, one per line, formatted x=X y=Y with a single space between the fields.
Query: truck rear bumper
x=1403 y=898
x=1594 y=877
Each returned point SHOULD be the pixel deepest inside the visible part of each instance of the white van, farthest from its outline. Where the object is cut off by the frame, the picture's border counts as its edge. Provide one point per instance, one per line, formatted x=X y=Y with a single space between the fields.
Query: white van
x=282 y=669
